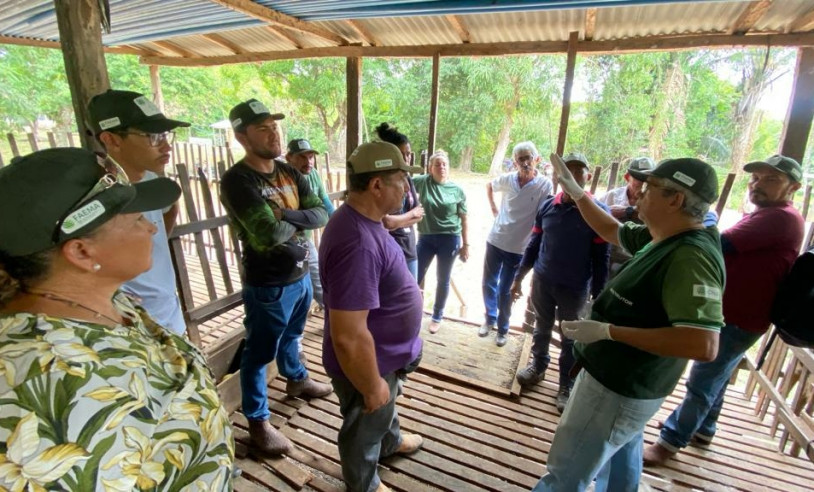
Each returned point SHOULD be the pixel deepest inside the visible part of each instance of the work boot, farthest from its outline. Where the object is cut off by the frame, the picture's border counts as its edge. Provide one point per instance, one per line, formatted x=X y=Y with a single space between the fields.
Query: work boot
x=485 y=329
x=562 y=399
x=307 y=388
x=501 y=339
x=410 y=443
x=434 y=326
x=656 y=455
x=530 y=376
x=267 y=439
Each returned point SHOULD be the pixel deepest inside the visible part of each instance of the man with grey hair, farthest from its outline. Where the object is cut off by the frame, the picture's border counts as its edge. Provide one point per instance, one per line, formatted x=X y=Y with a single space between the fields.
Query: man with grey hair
x=662 y=309
x=522 y=192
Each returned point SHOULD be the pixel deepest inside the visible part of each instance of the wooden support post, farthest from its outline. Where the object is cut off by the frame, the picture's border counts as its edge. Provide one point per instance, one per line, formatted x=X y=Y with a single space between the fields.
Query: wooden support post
x=354 y=85
x=80 y=33
x=436 y=66
x=12 y=142
x=595 y=180
x=52 y=140
x=806 y=202
x=155 y=82
x=724 y=196
x=570 y=64
x=801 y=108
x=614 y=172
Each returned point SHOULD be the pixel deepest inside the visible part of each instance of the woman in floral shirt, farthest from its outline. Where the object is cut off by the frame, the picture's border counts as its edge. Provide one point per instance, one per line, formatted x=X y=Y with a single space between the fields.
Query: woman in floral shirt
x=94 y=395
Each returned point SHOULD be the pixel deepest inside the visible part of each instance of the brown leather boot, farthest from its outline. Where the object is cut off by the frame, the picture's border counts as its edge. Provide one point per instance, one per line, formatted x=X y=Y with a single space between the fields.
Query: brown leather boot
x=308 y=388
x=656 y=454
x=267 y=439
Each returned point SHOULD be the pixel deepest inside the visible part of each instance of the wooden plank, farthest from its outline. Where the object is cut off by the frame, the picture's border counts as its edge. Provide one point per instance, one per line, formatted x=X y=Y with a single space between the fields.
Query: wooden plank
x=243 y=485
x=70 y=140
x=459 y=27
x=570 y=64
x=362 y=31
x=804 y=22
x=595 y=179
x=220 y=250
x=806 y=202
x=224 y=43
x=525 y=353
x=282 y=34
x=436 y=67
x=590 y=23
x=353 y=76
x=192 y=213
x=256 y=471
x=724 y=196
x=753 y=12
x=797 y=126
x=44 y=43
x=613 y=176
x=155 y=84
x=52 y=141
x=183 y=283
x=221 y=356
x=12 y=142
x=32 y=142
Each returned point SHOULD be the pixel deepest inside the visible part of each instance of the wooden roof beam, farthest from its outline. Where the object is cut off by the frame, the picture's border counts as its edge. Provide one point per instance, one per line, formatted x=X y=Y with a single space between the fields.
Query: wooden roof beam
x=44 y=43
x=282 y=34
x=225 y=43
x=590 y=24
x=803 y=23
x=749 y=17
x=276 y=18
x=175 y=49
x=362 y=31
x=460 y=28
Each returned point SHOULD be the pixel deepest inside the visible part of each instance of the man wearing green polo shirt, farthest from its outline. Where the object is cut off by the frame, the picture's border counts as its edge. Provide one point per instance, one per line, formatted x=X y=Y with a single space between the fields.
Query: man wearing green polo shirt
x=662 y=309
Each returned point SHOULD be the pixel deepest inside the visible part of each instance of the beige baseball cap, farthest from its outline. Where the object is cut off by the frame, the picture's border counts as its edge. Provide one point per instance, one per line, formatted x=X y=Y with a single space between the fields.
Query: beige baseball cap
x=374 y=157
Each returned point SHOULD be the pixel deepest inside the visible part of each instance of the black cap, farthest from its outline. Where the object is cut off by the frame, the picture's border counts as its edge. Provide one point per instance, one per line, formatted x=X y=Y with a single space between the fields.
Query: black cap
x=53 y=195
x=300 y=145
x=692 y=174
x=248 y=112
x=784 y=164
x=116 y=110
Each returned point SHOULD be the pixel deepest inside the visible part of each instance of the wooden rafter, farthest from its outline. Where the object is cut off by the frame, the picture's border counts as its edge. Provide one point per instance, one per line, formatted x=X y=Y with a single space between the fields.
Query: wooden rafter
x=143 y=50
x=224 y=43
x=276 y=18
x=749 y=17
x=285 y=36
x=630 y=45
x=362 y=31
x=169 y=46
x=803 y=23
x=590 y=24
x=460 y=28
x=42 y=43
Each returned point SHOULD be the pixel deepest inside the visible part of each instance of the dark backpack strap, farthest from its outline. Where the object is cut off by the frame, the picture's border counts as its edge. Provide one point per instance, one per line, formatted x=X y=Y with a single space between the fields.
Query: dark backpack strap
x=762 y=358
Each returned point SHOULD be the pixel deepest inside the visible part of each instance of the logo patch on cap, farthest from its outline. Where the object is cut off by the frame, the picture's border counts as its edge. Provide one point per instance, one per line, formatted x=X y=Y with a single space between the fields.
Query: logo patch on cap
x=303 y=145
x=258 y=107
x=82 y=217
x=382 y=163
x=236 y=122
x=796 y=174
x=683 y=178
x=147 y=107
x=110 y=123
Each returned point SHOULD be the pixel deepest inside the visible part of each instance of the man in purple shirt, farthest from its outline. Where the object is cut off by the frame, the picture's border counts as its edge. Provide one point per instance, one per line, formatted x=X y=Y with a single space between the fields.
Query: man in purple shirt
x=373 y=314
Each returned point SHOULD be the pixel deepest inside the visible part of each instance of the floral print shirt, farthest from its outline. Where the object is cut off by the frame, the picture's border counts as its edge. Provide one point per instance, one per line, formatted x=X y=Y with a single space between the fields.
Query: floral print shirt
x=88 y=407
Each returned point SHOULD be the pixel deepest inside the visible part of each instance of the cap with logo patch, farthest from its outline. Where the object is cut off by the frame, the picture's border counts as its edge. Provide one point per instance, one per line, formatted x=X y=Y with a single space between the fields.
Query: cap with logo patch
x=373 y=157
x=692 y=174
x=641 y=164
x=249 y=112
x=54 y=195
x=784 y=164
x=576 y=157
x=116 y=110
x=300 y=145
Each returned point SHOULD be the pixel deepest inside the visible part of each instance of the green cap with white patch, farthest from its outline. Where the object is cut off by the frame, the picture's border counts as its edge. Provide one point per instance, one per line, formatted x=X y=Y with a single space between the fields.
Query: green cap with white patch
x=692 y=174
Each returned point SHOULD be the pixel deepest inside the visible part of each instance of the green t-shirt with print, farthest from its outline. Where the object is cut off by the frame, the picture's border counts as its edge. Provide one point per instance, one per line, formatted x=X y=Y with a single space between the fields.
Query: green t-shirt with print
x=443 y=204
x=676 y=282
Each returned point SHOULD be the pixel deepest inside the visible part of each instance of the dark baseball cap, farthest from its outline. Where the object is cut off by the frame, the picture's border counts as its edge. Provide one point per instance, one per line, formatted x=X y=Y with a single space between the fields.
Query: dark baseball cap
x=116 y=110
x=373 y=157
x=692 y=174
x=300 y=145
x=250 y=111
x=784 y=164
x=576 y=157
x=54 y=195
x=641 y=164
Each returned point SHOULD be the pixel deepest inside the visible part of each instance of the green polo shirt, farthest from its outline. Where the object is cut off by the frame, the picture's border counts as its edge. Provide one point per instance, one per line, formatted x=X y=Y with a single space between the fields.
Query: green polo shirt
x=443 y=204
x=676 y=282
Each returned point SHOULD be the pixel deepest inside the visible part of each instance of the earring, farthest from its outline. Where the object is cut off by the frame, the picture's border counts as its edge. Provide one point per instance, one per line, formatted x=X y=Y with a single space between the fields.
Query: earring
x=97 y=267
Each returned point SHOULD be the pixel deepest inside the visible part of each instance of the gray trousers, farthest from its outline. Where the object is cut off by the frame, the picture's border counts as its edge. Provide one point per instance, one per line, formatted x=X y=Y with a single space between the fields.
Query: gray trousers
x=313 y=268
x=365 y=437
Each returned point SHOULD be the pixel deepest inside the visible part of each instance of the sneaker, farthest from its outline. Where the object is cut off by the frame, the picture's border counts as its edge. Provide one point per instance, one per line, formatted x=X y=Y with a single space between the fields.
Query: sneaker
x=562 y=399
x=410 y=443
x=434 y=326
x=501 y=339
x=485 y=329
x=307 y=388
x=656 y=455
x=267 y=439
x=530 y=375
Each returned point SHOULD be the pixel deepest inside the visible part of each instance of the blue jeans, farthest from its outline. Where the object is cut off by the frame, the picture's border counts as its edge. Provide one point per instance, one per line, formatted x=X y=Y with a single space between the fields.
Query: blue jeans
x=600 y=435
x=313 y=271
x=550 y=301
x=499 y=267
x=274 y=321
x=445 y=247
x=412 y=265
x=364 y=438
x=698 y=412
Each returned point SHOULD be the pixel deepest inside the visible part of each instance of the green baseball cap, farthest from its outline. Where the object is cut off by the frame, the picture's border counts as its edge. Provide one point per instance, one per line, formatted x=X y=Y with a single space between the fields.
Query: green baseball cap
x=641 y=164
x=692 y=174
x=784 y=164
x=248 y=112
x=116 y=110
x=576 y=157
x=373 y=157
x=300 y=145
x=54 y=195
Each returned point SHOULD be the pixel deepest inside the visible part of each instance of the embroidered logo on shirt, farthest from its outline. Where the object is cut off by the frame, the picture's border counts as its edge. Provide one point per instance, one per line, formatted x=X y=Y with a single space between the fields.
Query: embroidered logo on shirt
x=619 y=296
x=706 y=291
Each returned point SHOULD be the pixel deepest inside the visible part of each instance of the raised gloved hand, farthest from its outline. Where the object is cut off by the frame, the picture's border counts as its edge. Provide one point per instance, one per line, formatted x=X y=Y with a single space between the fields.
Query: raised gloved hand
x=567 y=181
x=586 y=331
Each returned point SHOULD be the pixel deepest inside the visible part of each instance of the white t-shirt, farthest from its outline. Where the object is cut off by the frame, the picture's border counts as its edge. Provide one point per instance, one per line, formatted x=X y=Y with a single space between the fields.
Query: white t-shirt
x=616 y=197
x=518 y=207
x=156 y=286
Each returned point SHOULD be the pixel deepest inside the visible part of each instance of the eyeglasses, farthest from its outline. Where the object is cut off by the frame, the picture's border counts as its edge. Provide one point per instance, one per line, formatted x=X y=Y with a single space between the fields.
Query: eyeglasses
x=649 y=184
x=156 y=139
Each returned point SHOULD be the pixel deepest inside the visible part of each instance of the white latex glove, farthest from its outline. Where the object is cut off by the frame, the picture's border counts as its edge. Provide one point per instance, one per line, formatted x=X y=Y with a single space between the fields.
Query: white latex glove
x=567 y=181
x=586 y=331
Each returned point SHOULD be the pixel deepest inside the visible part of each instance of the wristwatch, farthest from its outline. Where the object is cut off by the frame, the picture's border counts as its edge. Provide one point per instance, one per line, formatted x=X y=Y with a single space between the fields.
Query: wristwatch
x=629 y=213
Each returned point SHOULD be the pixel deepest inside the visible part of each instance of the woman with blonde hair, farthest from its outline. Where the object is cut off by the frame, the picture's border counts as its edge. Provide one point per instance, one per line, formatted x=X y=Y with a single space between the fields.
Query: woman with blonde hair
x=96 y=395
x=442 y=234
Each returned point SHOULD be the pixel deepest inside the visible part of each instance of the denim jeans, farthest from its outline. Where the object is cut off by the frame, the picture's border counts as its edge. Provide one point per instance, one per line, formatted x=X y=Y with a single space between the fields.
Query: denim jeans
x=274 y=321
x=550 y=300
x=600 y=435
x=445 y=248
x=499 y=267
x=313 y=270
x=412 y=265
x=364 y=438
x=706 y=386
